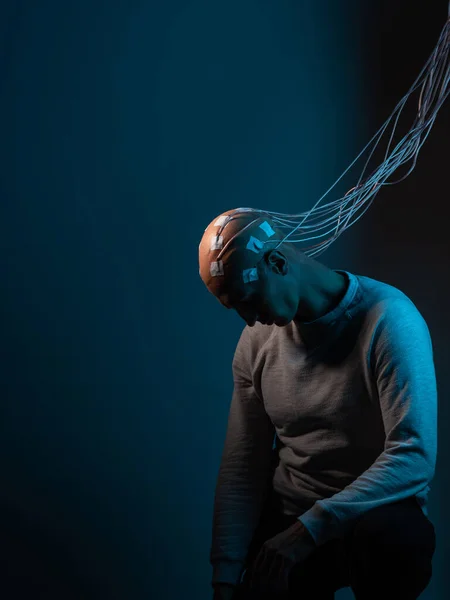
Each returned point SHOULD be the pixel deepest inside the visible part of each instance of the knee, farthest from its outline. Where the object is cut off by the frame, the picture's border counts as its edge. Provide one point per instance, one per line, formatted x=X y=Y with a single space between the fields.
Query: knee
x=396 y=528
x=392 y=548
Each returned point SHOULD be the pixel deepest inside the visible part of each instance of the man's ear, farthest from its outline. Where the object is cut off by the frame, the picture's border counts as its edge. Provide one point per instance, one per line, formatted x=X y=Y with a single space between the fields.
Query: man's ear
x=277 y=262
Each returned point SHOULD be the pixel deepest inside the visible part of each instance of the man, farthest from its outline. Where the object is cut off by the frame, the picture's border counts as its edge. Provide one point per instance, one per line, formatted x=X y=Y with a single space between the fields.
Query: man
x=339 y=369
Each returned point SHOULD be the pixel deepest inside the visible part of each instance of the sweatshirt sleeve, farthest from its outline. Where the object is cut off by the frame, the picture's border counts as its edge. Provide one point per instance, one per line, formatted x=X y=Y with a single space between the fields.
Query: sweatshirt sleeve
x=244 y=473
x=401 y=362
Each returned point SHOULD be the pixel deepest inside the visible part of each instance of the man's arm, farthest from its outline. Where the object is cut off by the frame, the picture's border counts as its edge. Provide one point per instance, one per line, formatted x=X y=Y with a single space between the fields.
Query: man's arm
x=244 y=474
x=401 y=359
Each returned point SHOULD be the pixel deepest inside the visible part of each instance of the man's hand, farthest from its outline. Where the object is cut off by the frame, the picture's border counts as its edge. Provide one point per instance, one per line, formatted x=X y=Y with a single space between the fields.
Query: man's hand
x=223 y=591
x=272 y=566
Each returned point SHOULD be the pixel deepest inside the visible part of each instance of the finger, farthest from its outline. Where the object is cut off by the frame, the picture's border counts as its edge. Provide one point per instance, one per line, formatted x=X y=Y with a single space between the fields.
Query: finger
x=262 y=569
x=256 y=568
x=258 y=563
x=275 y=574
x=278 y=580
x=284 y=575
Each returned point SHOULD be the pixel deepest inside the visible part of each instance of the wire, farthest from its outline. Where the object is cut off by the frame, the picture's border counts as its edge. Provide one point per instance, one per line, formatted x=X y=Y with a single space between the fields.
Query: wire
x=334 y=218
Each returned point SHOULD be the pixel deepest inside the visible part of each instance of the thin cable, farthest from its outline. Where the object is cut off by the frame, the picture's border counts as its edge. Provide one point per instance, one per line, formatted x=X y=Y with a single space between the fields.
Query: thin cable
x=337 y=216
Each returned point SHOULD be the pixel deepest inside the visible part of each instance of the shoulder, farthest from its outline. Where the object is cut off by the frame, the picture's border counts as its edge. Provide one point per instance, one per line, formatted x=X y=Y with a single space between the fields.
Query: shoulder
x=393 y=324
x=388 y=305
x=400 y=332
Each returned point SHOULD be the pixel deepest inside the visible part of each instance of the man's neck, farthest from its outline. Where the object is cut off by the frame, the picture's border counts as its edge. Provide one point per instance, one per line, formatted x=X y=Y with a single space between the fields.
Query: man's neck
x=323 y=294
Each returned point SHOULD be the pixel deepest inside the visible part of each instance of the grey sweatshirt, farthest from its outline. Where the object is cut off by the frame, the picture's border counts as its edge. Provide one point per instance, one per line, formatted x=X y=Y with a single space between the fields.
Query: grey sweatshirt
x=351 y=400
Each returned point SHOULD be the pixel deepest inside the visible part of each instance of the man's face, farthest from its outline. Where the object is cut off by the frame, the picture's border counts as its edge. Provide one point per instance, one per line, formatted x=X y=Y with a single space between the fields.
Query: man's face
x=269 y=300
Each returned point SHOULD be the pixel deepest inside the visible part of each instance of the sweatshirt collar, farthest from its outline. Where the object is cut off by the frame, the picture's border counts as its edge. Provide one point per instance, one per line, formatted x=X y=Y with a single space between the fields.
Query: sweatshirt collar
x=313 y=332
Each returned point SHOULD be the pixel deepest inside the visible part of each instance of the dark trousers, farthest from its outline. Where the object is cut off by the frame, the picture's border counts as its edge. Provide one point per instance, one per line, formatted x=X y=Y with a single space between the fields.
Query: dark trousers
x=386 y=556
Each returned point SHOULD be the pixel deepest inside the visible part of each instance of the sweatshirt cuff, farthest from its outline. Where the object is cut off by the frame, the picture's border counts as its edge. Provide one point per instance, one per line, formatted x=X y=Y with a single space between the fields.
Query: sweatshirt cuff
x=321 y=523
x=227 y=572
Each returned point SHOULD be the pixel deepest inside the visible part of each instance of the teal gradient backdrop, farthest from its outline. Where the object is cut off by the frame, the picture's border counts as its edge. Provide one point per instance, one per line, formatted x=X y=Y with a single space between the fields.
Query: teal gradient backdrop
x=126 y=127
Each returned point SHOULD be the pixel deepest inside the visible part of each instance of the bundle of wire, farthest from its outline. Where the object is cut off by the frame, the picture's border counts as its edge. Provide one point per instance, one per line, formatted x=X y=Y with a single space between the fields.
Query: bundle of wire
x=330 y=220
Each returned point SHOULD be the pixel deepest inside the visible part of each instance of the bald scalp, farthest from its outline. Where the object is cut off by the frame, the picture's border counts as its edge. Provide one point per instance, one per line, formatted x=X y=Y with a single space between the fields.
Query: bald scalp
x=232 y=246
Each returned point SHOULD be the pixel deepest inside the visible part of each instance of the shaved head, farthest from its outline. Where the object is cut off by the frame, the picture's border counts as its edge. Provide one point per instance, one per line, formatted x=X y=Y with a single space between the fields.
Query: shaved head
x=247 y=265
x=231 y=248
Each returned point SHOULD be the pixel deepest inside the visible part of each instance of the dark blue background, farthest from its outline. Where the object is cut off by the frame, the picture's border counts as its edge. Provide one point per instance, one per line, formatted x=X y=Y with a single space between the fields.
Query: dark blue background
x=126 y=127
